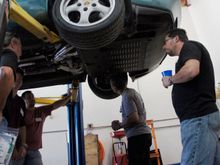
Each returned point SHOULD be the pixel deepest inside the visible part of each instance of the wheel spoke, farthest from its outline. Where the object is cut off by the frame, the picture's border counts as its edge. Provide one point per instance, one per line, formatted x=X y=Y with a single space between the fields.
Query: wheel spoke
x=84 y=17
x=103 y=9
x=81 y=11
x=71 y=8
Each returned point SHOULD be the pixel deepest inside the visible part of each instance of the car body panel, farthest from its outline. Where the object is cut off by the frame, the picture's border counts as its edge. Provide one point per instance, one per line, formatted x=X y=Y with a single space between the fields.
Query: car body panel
x=163 y=4
x=37 y=8
x=166 y=5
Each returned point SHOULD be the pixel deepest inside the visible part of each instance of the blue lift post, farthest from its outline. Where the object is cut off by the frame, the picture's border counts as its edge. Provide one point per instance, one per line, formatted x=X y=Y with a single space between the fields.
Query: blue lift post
x=76 y=146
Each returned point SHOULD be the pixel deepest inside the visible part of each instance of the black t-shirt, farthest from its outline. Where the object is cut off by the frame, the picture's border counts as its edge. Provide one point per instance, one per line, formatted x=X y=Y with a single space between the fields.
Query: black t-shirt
x=196 y=97
x=9 y=58
x=14 y=112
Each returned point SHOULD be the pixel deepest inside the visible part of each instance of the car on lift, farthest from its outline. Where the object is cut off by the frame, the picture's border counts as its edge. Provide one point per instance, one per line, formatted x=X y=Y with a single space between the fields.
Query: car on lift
x=91 y=38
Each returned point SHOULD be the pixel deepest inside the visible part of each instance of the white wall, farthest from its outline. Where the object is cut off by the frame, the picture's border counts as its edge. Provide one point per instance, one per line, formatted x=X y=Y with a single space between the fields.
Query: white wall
x=205 y=15
x=201 y=22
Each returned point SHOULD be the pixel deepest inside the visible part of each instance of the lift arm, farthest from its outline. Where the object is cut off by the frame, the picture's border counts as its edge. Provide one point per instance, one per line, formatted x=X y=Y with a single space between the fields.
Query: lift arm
x=21 y=17
x=51 y=100
x=45 y=100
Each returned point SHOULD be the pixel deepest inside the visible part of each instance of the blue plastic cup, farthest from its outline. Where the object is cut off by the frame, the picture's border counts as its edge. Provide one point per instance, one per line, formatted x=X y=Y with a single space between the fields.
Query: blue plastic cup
x=167 y=73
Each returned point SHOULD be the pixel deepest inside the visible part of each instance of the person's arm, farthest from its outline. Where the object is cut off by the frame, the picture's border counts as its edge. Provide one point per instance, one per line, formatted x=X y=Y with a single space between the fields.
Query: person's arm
x=23 y=134
x=15 y=154
x=48 y=108
x=20 y=152
x=190 y=70
x=6 y=85
x=23 y=148
x=132 y=120
x=61 y=102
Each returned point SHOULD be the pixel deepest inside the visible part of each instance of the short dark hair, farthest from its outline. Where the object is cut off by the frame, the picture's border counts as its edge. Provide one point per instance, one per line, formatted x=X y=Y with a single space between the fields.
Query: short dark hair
x=119 y=80
x=24 y=94
x=181 y=33
x=8 y=38
x=20 y=71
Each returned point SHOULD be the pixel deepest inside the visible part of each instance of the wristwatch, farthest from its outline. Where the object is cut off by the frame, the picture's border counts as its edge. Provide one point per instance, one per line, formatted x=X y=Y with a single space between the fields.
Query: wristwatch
x=171 y=81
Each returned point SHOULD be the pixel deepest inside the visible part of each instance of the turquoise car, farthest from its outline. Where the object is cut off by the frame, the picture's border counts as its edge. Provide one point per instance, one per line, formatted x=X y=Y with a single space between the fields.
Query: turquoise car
x=96 y=38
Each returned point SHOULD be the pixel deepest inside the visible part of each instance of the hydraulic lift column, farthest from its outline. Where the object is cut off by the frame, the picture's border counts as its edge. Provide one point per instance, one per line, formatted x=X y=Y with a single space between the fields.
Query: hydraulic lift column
x=76 y=146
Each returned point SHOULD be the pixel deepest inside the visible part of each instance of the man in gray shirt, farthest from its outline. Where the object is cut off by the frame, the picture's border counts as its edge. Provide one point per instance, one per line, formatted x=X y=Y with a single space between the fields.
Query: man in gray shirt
x=133 y=121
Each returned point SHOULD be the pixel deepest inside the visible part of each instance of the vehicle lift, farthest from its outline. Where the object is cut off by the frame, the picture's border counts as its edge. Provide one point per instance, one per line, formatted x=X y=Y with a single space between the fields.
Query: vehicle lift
x=76 y=146
x=75 y=133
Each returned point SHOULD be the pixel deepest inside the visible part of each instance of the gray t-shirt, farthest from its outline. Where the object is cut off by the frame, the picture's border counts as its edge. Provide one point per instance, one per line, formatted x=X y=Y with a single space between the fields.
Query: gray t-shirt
x=131 y=102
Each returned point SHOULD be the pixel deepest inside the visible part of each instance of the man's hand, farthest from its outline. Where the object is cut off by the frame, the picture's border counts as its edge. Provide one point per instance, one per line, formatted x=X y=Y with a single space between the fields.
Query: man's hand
x=15 y=154
x=166 y=81
x=19 y=153
x=22 y=151
x=116 y=125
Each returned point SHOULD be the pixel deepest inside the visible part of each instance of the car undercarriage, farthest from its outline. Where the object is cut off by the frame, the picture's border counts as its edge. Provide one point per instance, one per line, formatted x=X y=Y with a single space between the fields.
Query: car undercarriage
x=94 y=39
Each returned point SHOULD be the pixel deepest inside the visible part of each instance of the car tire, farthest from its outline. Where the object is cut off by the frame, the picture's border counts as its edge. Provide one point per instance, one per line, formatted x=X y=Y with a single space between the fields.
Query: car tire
x=101 y=87
x=93 y=33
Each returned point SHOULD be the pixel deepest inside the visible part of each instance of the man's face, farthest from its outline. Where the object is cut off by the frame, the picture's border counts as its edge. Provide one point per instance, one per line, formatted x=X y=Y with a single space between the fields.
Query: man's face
x=169 y=45
x=29 y=100
x=18 y=47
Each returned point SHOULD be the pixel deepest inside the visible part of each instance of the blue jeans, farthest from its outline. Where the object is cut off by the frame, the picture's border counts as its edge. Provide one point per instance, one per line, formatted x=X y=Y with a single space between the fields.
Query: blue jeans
x=200 y=140
x=17 y=162
x=3 y=123
x=33 y=157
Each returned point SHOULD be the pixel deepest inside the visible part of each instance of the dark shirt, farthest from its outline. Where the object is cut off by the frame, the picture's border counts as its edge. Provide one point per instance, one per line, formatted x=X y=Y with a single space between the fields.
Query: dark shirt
x=14 y=113
x=9 y=58
x=133 y=102
x=34 y=124
x=196 y=97
x=8 y=106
